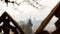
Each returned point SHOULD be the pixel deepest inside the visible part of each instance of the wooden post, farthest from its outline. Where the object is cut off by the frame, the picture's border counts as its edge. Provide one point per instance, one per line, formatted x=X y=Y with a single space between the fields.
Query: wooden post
x=48 y=18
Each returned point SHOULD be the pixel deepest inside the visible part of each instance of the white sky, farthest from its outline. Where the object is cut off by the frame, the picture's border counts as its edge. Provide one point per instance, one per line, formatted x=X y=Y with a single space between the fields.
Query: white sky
x=24 y=10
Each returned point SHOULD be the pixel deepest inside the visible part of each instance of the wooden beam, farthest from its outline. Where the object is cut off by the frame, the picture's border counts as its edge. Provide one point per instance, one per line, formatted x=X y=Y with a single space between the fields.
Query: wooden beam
x=47 y=19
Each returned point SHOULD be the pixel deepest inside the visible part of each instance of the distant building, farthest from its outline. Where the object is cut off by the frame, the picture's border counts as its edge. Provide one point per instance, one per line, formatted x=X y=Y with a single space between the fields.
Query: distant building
x=27 y=28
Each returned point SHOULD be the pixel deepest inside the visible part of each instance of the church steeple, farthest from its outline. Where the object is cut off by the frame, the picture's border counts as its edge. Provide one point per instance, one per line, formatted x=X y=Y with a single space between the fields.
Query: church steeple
x=30 y=21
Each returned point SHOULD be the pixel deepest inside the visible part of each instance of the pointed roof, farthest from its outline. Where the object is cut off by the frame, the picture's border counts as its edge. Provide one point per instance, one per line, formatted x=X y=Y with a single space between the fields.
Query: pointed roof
x=30 y=22
x=13 y=21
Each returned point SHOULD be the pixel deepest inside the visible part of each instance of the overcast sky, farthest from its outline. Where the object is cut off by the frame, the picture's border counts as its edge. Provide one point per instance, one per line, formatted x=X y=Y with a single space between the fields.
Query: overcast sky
x=25 y=10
